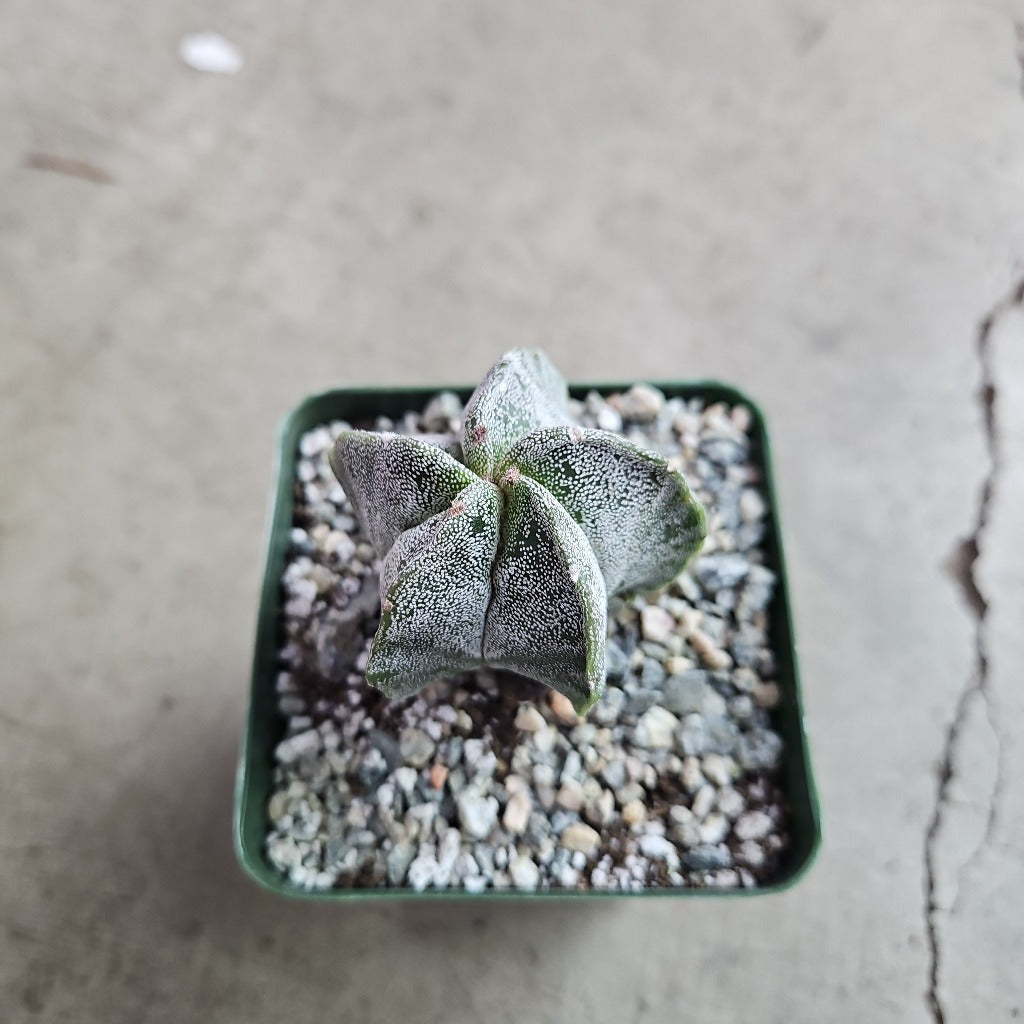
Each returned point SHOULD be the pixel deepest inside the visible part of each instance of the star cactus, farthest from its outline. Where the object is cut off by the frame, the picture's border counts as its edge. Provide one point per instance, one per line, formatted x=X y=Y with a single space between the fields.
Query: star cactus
x=509 y=559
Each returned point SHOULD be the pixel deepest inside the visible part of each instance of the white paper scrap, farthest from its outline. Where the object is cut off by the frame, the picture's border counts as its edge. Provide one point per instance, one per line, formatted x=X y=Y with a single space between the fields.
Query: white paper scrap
x=210 y=52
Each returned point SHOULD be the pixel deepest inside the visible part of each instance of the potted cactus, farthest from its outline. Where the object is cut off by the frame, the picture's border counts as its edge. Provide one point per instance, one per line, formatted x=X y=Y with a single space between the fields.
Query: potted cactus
x=498 y=666
x=508 y=558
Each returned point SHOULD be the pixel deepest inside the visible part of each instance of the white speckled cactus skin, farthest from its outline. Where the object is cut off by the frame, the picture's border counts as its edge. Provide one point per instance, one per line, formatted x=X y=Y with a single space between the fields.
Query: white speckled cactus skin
x=636 y=512
x=522 y=392
x=509 y=560
x=548 y=614
x=395 y=482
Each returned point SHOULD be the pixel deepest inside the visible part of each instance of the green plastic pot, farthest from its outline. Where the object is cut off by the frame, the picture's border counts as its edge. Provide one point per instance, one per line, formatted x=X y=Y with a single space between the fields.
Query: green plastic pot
x=265 y=727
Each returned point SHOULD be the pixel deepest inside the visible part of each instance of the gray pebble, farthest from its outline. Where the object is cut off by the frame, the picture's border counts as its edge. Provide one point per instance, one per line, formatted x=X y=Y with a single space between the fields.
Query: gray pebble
x=614 y=774
x=653 y=674
x=485 y=766
x=686 y=834
x=753 y=825
x=517 y=813
x=303 y=744
x=679 y=814
x=300 y=541
x=656 y=651
x=456 y=781
x=339 y=633
x=544 y=739
x=524 y=873
x=422 y=870
x=641 y=404
x=609 y=419
x=751 y=854
x=472 y=751
x=290 y=704
x=453 y=751
x=688 y=587
x=714 y=828
x=447 y=857
x=707 y=858
x=570 y=796
x=759 y=750
x=642 y=699
x=567 y=876
x=703 y=801
x=572 y=767
x=659 y=848
x=315 y=441
x=416 y=747
x=336 y=847
x=741 y=708
x=609 y=707
x=581 y=837
x=723 y=734
x=693 y=736
x=721 y=570
x=718 y=768
x=731 y=802
x=745 y=646
x=656 y=729
x=277 y=806
x=751 y=505
x=561 y=820
x=372 y=769
x=484 y=856
x=406 y=778
x=723 y=451
x=616 y=661
x=631 y=792
x=358 y=813
x=766 y=662
x=748 y=536
x=745 y=680
x=757 y=593
x=767 y=695
x=692 y=692
x=478 y=814
x=440 y=411
x=656 y=624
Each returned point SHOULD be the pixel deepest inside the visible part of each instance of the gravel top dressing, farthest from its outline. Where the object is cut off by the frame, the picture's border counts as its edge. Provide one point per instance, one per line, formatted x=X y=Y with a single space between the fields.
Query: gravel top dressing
x=491 y=781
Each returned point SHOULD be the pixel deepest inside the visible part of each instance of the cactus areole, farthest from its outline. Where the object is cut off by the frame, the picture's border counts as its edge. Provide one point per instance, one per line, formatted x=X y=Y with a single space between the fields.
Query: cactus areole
x=508 y=558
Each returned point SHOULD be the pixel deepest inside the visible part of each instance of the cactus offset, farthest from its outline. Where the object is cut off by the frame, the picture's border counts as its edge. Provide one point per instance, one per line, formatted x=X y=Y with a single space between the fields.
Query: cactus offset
x=509 y=560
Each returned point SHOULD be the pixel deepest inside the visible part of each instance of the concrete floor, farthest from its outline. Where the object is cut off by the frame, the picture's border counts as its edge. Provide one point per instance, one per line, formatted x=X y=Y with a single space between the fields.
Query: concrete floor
x=824 y=206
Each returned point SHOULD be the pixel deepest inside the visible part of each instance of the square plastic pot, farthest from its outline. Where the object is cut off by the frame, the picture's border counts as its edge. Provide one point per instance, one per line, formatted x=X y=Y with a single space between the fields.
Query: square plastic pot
x=265 y=727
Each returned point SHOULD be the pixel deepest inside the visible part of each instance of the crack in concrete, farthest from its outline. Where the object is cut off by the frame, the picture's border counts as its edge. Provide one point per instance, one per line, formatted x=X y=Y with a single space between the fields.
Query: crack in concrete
x=963 y=564
x=1018 y=29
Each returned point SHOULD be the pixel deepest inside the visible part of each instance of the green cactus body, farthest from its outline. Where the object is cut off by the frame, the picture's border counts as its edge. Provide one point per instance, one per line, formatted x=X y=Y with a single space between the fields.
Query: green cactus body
x=548 y=614
x=509 y=559
x=435 y=586
x=637 y=513
x=395 y=482
x=522 y=392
